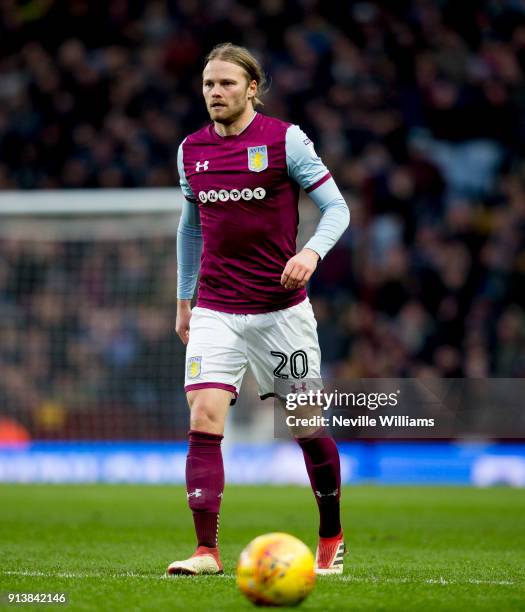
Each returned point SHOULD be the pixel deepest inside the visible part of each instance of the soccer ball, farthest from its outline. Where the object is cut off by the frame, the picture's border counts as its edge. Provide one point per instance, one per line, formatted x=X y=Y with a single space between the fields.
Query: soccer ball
x=276 y=569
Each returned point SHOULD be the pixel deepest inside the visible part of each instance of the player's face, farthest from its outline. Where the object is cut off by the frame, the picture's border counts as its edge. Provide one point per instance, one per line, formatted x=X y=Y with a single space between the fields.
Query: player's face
x=227 y=92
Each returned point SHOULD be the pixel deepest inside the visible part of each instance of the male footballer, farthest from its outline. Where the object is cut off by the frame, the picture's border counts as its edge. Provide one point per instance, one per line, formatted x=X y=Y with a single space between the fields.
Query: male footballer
x=241 y=177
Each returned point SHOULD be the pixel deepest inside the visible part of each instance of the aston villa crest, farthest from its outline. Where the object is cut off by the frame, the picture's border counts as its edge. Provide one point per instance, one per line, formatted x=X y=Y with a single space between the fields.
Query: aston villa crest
x=257 y=158
x=193 y=367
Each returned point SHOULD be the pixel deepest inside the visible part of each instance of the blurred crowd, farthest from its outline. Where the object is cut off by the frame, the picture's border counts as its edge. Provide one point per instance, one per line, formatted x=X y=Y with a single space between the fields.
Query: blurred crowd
x=87 y=341
x=416 y=106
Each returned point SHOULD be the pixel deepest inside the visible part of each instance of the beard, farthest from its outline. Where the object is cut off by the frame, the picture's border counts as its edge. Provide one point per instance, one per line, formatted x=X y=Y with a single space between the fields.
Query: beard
x=227 y=117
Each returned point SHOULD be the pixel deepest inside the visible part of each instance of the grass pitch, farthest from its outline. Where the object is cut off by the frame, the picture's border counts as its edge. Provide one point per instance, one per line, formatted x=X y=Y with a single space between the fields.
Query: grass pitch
x=410 y=548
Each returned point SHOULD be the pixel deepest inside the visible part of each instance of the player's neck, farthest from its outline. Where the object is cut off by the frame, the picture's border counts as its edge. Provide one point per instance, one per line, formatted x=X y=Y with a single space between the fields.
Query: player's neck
x=237 y=126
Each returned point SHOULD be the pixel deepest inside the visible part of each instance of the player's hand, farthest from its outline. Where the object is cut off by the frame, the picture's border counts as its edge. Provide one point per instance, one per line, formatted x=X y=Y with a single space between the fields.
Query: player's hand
x=299 y=269
x=182 y=322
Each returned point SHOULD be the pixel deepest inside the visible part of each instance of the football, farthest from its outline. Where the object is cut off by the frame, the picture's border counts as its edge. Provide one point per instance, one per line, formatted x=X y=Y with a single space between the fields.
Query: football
x=276 y=569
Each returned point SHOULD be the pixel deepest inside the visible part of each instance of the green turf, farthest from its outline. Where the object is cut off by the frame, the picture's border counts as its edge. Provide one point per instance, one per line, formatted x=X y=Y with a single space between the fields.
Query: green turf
x=411 y=548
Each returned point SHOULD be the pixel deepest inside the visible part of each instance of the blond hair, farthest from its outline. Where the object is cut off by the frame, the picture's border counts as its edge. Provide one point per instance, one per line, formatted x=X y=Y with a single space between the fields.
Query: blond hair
x=229 y=52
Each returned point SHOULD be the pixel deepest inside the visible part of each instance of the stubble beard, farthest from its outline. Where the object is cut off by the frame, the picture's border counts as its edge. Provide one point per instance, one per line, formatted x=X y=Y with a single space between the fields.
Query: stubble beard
x=229 y=119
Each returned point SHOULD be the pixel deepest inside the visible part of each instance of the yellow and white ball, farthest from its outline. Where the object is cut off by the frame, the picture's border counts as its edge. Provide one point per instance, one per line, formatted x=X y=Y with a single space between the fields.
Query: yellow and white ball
x=276 y=569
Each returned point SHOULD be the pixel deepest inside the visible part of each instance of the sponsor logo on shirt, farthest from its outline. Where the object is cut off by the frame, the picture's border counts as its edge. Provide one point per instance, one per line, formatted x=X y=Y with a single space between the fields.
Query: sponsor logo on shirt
x=310 y=145
x=202 y=166
x=223 y=195
x=257 y=158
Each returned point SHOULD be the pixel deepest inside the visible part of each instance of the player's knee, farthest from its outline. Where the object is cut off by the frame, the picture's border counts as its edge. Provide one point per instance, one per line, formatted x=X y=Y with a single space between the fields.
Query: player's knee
x=204 y=418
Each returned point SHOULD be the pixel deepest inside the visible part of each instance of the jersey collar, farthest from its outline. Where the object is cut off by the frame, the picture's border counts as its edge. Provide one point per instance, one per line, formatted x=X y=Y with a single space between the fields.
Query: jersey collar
x=255 y=115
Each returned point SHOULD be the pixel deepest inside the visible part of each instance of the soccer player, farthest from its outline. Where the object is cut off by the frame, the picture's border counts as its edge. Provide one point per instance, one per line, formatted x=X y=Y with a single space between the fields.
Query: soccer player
x=241 y=176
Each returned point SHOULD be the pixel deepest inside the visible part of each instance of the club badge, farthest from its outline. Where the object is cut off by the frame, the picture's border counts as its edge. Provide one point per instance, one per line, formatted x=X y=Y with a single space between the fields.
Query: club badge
x=193 y=367
x=257 y=158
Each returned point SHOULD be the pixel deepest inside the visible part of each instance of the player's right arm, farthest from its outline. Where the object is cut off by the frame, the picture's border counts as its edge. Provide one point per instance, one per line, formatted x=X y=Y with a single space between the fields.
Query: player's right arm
x=189 y=248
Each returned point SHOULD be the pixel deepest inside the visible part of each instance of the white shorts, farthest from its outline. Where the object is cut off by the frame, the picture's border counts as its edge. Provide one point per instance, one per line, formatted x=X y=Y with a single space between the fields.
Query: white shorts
x=280 y=345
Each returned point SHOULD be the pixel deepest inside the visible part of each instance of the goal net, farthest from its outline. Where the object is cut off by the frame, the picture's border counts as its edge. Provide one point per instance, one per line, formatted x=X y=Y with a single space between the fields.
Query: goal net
x=88 y=349
x=87 y=315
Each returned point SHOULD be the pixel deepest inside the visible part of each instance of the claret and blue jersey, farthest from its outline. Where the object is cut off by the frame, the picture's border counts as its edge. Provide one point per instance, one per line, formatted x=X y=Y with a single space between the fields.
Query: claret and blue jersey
x=246 y=188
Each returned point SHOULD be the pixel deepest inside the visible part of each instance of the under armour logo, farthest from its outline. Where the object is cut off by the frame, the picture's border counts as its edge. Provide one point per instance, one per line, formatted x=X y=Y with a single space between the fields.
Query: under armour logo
x=331 y=494
x=196 y=493
x=296 y=390
x=202 y=166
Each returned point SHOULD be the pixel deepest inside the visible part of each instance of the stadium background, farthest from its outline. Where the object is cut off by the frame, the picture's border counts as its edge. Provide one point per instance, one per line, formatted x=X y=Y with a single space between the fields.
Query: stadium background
x=417 y=109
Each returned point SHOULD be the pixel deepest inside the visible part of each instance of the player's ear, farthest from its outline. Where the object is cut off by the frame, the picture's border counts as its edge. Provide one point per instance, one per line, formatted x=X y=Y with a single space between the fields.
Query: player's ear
x=252 y=89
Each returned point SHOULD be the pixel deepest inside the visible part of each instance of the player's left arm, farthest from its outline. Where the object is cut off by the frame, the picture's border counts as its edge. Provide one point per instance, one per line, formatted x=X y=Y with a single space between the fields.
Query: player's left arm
x=307 y=168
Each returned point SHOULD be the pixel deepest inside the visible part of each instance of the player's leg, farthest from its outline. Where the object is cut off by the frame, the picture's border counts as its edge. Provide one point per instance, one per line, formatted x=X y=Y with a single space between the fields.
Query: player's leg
x=204 y=465
x=321 y=458
x=215 y=365
x=205 y=478
x=285 y=345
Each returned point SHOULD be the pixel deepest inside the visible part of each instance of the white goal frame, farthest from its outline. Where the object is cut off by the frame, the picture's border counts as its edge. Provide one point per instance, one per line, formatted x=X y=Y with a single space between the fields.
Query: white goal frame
x=90 y=201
